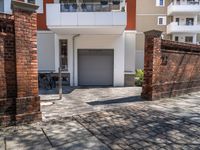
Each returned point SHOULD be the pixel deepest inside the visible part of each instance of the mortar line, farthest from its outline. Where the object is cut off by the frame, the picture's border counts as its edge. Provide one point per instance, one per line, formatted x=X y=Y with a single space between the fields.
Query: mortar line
x=5 y=145
x=47 y=137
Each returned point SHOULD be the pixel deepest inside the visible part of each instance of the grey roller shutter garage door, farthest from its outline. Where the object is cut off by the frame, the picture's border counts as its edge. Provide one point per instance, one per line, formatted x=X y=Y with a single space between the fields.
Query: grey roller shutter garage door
x=95 y=67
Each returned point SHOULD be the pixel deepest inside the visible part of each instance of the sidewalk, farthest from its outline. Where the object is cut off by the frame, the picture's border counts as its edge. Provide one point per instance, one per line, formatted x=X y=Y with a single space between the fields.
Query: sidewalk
x=166 y=124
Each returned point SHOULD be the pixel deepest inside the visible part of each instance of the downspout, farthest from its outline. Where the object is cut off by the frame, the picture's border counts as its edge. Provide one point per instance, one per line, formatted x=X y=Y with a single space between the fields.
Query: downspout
x=74 y=37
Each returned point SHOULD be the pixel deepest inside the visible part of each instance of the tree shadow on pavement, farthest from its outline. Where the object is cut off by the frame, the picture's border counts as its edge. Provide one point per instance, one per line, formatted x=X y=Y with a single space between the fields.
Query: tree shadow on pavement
x=117 y=101
x=141 y=128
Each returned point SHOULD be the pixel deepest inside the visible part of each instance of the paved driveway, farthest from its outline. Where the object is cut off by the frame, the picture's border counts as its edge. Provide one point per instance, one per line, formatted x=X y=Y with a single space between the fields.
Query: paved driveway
x=84 y=100
x=167 y=124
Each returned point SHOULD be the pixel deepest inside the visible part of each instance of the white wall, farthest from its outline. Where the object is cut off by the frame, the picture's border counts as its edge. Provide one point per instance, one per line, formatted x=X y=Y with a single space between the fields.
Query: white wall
x=139 y=59
x=115 y=42
x=46 y=51
x=57 y=18
x=40 y=4
x=130 y=47
x=7 y=6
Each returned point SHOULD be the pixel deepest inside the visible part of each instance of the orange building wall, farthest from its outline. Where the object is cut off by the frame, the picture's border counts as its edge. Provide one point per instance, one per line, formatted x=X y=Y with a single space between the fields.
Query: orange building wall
x=41 y=23
x=131 y=14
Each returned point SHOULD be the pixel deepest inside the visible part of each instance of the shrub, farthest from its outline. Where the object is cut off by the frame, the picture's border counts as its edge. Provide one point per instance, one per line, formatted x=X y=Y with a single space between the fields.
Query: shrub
x=139 y=77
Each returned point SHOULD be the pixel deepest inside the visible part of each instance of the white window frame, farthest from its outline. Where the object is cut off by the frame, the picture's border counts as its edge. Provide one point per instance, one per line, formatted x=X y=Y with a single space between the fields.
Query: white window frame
x=158 y=4
x=189 y=37
x=164 y=18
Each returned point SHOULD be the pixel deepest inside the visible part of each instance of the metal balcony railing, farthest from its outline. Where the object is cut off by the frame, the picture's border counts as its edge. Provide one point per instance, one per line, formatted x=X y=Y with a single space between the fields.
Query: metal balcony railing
x=186 y=3
x=89 y=7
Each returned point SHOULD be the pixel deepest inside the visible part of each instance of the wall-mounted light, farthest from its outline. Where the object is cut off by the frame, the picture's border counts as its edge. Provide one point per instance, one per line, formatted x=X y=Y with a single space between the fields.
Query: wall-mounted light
x=164 y=60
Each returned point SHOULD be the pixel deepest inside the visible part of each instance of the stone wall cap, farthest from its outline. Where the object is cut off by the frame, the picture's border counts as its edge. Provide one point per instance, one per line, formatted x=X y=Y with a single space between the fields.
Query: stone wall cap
x=153 y=32
x=24 y=6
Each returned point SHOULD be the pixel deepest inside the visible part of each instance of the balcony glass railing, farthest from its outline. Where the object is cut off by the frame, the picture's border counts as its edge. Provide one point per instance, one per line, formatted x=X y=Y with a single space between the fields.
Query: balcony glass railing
x=186 y=3
x=90 y=7
x=184 y=24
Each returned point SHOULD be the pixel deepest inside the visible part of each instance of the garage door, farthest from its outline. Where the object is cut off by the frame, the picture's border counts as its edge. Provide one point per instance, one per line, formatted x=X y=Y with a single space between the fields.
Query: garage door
x=95 y=67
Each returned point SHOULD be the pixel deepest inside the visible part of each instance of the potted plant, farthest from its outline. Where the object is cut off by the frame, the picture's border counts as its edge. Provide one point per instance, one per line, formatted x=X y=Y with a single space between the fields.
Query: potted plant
x=104 y=2
x=116 y=2
x=83 y=6
x=66 y=6
x=75 y=6
x=123 y=9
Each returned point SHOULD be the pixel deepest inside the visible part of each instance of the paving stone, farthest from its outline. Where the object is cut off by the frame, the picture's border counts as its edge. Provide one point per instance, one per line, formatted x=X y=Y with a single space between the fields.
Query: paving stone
x=91 y=143
x=2 y=146
x=67 y=133
x=32 y=139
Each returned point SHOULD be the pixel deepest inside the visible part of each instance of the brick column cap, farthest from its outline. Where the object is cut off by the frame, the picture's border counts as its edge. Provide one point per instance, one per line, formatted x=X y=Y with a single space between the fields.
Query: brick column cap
x=6 y=16
x=153 y=33
x=24 y=6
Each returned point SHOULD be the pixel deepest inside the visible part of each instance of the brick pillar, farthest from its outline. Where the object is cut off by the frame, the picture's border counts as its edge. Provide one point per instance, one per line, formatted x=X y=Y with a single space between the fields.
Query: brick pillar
x=152 y=48
x=7 y=70
x=3 y=89
x=27 y=101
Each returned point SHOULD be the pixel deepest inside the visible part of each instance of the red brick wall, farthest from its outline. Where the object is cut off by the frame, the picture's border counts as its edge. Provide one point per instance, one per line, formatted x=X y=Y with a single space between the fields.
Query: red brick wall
x=171 y=68
x=19 y=100
x=3 y=91
x=7 y=57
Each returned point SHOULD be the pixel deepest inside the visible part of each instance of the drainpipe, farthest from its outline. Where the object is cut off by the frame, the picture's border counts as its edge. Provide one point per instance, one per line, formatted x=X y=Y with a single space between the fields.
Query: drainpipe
x=74 y=37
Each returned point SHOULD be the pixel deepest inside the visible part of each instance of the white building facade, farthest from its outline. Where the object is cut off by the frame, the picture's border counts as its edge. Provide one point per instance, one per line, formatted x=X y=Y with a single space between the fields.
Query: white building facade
x=185 y=21
x=89 y=42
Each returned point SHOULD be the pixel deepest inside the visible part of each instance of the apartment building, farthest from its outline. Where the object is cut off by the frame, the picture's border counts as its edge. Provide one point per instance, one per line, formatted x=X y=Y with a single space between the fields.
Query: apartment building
x=178 y=19
x=184 y=23
x=93 y=41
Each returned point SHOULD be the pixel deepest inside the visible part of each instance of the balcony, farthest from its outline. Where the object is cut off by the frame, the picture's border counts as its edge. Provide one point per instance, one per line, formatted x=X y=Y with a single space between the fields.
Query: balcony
x=189 y=8
x=86 y=19
x=175 y=28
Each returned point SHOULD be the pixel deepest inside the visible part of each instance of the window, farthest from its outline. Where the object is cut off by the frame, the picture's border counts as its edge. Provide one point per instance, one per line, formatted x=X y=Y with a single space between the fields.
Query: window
x=176 y=38
x=64 y=55
x=161 y=20
x=189 y=39
x=30 y=1
x=178 y=20
x=189 y=21
x=160 y=2
x=178 y=2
